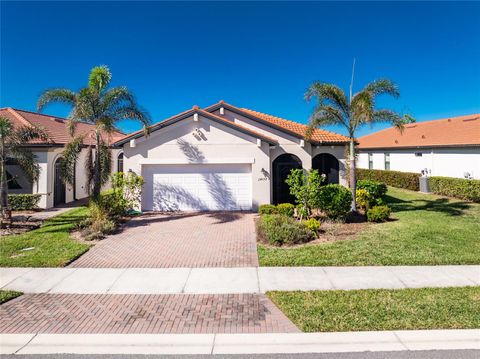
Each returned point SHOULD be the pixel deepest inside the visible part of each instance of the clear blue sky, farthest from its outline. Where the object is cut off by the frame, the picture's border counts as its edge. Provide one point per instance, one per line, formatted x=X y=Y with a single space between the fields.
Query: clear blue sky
x=256 y=55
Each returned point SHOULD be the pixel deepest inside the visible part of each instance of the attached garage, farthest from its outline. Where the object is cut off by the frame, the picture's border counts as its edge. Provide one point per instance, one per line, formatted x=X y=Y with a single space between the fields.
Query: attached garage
x=197 y=187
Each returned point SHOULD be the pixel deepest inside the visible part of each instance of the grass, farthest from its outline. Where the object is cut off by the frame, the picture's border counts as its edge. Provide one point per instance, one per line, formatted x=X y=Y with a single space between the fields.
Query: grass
x=425 y=230
x=51 y=244
x=6 y=295
x=359 y=310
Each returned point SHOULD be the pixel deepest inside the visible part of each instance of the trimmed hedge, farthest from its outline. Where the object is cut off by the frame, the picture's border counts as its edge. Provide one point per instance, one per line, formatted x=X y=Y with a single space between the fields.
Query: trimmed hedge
x=467 y=189
x=23 y=202
x=278 y=230
x=407 y=180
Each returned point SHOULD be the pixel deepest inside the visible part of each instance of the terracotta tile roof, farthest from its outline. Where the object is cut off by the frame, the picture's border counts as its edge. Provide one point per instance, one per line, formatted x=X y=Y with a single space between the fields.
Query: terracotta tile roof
x=455 y=131
x=55 y=127
x=188 y=113
x=296 y=128
x=318 y=135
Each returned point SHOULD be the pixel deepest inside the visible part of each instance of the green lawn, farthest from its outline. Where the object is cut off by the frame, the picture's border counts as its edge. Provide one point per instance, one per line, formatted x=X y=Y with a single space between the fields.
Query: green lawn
x=52 y=245
x=426 y=229
x=6 y=295
x=374 y=309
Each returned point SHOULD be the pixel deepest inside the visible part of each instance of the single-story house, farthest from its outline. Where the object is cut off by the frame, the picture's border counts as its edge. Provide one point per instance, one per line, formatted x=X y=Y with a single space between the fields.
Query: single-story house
x=48 y=154
x=226 y=158
x=446 y=147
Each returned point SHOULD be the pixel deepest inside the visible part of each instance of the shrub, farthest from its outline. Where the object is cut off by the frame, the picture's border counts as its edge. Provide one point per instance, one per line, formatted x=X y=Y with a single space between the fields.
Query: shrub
x=313 y=225
x=335 y=201
x=267 y=209
x=364 y=199
x=304 y=186
x=277 y=230
x=467 y=189
x=287 y=209
x=376 y=189
x=407 y=180
x=23 y=202
x=378 y=214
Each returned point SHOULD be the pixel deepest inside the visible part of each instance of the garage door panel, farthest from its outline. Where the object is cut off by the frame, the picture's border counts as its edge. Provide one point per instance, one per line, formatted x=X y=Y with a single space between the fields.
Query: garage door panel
x=198 y=187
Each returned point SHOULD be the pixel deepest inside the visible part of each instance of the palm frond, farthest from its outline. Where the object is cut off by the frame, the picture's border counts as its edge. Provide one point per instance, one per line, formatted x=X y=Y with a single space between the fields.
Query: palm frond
x=89 y=168
x=362 y=108
x=27 y=162
x=30 y=133
x=383 y=87
x=59 y=95
x=328 y=94
x=100 y=77
x=117 y=96
x=133 y=113
x=70 y=157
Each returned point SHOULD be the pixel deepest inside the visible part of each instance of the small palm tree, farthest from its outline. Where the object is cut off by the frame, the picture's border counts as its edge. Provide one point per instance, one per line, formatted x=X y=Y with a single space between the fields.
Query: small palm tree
x=12 y=146
x=101 y=107
x=334 y=108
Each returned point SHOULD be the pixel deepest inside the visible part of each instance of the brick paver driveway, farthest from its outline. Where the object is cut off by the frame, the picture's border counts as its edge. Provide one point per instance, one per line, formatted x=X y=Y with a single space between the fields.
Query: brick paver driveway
x=213 y=239
x=128 y=314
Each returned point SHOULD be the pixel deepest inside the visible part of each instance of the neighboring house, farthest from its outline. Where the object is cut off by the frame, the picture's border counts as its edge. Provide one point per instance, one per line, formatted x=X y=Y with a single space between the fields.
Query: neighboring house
x=447 y=147
x=227 y=158
x=53 y=192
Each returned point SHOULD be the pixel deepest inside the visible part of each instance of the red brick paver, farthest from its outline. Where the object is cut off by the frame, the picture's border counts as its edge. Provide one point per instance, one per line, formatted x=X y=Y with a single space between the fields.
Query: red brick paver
x=178 y=240
x=160 y=314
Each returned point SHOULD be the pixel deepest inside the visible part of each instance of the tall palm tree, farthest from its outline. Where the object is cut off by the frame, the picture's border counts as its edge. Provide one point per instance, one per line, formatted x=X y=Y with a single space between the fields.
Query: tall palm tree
x=12 y=147
x=101 y=107
x=334 y=108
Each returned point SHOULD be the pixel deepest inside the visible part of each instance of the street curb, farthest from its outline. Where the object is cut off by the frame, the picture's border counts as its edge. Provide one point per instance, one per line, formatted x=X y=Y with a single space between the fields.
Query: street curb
x=338 y=342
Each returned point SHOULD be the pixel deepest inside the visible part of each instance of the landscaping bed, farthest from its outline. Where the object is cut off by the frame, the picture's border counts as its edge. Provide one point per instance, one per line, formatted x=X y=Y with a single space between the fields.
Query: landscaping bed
x=6 y=295
x=48 y=246
x=424 y=230
x=374 y=309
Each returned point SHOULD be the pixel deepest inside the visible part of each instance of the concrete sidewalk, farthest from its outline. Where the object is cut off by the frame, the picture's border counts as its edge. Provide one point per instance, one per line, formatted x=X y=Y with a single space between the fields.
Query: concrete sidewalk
x=232 y=280
x=239 y=343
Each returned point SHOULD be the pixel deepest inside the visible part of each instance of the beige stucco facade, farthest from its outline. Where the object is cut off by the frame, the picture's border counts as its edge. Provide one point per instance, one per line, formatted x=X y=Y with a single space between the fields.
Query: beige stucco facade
x=197 y=140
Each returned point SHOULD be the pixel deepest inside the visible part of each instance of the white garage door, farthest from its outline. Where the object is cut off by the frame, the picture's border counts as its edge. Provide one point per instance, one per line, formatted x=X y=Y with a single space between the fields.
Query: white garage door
x=199 y=187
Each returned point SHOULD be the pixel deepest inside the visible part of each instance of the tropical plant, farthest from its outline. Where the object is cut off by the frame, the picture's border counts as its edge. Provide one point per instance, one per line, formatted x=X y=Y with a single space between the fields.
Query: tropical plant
x=304 y=186
x=12 y=147
x=334 y=108
x=102 y=107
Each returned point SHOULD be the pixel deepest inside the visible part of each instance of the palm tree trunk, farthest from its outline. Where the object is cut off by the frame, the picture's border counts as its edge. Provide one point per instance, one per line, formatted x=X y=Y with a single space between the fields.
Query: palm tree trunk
x=353 y=174
x=97 y=169
x=4 y=208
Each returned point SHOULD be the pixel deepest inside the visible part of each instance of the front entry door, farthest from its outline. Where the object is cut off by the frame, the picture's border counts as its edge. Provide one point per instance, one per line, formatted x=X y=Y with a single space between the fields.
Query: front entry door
x=282 y=166
x=58 y=185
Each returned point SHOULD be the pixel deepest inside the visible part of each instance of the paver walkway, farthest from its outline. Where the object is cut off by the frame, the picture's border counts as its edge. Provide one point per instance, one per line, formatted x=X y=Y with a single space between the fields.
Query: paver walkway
x=135 y=314
x=214 y=239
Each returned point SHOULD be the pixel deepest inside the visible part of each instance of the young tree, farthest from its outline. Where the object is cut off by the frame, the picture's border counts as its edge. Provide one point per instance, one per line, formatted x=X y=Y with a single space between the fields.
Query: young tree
x=334 y=108
x=101 y=107
x=304 y=186
x=12 y=147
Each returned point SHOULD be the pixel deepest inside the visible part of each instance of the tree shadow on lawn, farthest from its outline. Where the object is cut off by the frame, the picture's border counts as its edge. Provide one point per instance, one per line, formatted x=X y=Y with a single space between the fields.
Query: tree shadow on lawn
x=441 y=205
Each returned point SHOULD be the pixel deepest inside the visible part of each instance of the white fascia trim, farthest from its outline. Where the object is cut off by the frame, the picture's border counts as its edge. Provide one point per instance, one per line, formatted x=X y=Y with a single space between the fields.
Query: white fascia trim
x=184 y=161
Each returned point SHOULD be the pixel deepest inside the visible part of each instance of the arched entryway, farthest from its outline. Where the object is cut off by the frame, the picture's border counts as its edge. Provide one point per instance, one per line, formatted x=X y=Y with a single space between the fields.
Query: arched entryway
x=281 y=167
x=120 y=162
x=328 y=165
x=58 y=185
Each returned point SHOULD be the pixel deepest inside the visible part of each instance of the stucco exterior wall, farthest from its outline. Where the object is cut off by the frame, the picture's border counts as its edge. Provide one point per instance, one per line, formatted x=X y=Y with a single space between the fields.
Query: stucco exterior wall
x=449 y=162
x=203 y=141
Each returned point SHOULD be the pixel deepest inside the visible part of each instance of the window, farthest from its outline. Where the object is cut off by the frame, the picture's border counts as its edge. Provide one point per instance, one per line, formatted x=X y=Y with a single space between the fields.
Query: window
x=370 y=161
x=387 y=161
x=120 y=163
x=12 y=182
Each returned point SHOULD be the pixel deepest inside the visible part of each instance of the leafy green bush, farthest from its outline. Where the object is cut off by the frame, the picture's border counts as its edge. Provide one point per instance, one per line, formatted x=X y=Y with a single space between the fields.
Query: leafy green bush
x=267 y=209
x=407 y=180
x=23 y=202
x=375 y=188
x=287 y=209
x=378 y=214
x=364 y=199
x=313 y=225
x=466 y=189
x=335 y=200
x=277 y=230
x=304 y=186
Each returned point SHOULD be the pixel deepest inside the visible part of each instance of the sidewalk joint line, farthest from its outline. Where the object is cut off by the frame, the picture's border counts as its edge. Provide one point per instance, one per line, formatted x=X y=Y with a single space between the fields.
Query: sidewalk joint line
x=400 y=340
x=23 y=346
x=186 y=280
x=258 y=281
x=405 y=285
x=328 y=278
x=116 y=280
x=61 y=280
x=14 y=279
x=213 y=343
